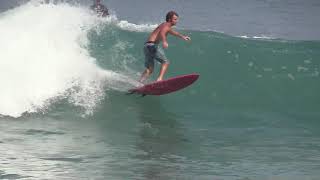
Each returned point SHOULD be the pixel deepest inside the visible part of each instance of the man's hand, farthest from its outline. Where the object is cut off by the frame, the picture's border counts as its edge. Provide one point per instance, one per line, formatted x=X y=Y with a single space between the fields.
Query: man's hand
x=165 y=45
x=186 y=38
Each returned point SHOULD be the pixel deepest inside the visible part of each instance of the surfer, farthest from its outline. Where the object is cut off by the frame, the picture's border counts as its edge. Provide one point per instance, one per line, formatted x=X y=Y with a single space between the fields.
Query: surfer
x=99 y=8
x=151 y=50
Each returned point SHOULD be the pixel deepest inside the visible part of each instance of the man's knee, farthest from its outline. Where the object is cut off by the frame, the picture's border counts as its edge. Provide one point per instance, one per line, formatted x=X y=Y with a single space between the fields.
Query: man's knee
x=165 y=64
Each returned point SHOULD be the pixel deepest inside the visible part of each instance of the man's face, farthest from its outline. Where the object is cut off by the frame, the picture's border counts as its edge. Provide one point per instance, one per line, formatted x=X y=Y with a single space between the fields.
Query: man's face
x=174 y=20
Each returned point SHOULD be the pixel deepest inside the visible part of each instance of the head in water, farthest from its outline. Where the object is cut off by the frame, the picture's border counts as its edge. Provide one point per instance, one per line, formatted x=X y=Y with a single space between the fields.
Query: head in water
x=172 y=17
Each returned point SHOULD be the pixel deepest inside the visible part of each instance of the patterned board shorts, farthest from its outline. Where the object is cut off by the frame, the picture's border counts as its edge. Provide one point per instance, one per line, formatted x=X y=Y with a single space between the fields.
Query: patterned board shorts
x=152 y=52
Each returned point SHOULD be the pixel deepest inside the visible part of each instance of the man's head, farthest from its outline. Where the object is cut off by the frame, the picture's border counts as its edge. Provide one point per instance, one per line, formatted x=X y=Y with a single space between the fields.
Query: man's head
x=172 y=17
x=97 y=1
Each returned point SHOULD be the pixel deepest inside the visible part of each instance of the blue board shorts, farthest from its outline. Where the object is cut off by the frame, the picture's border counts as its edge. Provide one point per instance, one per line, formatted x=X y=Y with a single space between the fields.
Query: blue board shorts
x=152 y=53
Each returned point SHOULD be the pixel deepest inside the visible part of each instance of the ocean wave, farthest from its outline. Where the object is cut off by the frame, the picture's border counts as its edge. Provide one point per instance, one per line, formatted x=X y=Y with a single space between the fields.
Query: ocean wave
x=45 y=57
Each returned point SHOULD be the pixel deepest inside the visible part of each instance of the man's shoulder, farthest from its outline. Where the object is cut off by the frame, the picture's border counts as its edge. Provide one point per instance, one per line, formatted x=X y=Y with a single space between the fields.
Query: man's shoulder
x=165 y=26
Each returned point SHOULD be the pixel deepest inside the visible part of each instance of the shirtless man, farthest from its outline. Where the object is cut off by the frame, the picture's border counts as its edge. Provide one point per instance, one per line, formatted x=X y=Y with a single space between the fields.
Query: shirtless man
x=151 y=50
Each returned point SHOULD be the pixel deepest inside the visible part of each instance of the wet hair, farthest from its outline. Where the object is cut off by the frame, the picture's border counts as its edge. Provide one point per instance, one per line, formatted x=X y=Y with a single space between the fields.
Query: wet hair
x=170 y=14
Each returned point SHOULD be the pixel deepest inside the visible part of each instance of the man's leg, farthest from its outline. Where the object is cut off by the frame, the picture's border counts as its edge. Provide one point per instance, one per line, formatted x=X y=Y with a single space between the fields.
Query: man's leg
x=163 y=70
x=149 y=52
x=161 y=57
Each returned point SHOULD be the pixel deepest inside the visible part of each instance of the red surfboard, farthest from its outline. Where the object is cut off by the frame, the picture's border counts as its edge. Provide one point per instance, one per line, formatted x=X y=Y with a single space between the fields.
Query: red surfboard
x=166 y=86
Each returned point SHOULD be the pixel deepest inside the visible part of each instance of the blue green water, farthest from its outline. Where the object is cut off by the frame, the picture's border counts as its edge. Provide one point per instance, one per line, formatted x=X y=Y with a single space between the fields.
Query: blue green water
x=253 y=113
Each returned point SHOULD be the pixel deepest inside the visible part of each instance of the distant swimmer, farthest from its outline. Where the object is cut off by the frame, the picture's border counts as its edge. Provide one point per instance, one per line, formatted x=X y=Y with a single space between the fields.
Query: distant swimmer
x=99 y=8
x=151 y=49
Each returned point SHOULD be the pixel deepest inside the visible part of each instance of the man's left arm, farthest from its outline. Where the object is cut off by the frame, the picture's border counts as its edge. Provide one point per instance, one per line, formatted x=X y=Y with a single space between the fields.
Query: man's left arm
x=175 y=33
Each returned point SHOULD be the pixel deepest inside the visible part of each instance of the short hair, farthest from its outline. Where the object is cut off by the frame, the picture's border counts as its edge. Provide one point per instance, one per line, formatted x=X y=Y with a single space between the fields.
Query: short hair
x=170 y=14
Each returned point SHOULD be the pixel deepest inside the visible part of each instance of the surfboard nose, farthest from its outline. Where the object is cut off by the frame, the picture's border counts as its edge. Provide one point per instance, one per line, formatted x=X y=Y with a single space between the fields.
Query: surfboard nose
x=194 y=76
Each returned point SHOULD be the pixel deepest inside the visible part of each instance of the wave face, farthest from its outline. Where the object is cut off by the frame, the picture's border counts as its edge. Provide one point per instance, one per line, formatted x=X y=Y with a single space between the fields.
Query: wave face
x=235 y=72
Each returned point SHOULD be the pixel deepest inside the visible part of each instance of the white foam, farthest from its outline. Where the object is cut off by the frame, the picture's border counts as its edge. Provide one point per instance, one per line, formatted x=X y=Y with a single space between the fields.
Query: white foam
x=256 y=37
x=43 y=56
x=125 y=25
x=137 y=28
